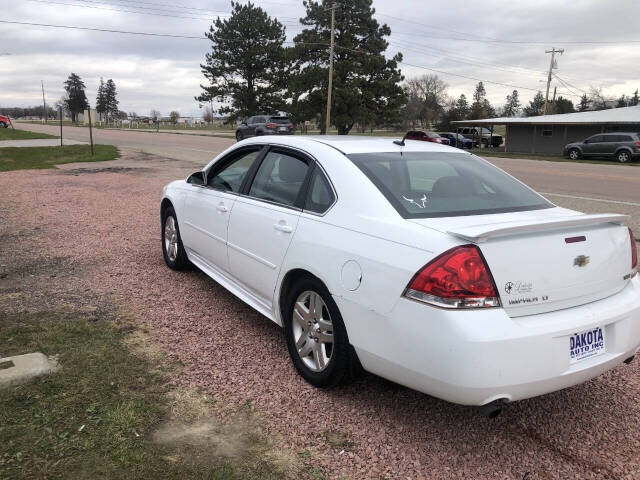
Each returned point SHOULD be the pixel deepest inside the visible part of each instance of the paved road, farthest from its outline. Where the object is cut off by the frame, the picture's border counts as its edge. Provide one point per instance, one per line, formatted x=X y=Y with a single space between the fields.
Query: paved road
x=618 y=183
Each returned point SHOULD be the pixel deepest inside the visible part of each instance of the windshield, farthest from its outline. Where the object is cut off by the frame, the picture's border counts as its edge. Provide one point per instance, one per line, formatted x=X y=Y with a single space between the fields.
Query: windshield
x=436 y=184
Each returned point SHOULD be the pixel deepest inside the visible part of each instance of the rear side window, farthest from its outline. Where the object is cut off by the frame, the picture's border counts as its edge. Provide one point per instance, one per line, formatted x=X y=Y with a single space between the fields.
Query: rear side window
x=279 y=178
x=436 y=184
x=320 y=195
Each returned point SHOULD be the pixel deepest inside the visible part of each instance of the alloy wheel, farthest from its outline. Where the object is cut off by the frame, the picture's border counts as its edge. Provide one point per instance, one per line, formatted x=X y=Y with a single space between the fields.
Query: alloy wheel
x=171 y=238
x=312 y=331
x=623 y=157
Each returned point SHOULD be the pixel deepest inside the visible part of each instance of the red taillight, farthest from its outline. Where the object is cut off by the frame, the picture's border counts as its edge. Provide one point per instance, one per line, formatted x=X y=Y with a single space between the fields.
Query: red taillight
x=634 y=252
x=459 y=278
x=271 y=125
x=637 y=144
x=291 y=126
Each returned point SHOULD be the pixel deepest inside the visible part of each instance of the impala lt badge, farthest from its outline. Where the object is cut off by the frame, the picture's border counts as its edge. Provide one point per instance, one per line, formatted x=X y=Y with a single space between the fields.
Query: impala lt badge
x=581 y=261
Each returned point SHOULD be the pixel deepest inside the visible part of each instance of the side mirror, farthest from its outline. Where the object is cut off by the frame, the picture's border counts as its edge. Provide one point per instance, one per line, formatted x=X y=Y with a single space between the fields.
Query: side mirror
x=196 y=178
x=586 y=141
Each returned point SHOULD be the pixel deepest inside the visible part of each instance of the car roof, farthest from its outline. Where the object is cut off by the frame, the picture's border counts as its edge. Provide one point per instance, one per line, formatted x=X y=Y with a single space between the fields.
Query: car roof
x=348 y=144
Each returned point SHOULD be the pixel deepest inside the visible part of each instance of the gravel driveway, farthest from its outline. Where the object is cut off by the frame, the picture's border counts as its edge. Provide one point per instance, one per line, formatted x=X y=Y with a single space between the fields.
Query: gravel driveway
x=106 y=215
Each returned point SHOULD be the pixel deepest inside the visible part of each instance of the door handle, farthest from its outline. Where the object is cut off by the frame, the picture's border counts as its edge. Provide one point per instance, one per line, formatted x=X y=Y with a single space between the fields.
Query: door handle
x=222 y=208
x=283 y=227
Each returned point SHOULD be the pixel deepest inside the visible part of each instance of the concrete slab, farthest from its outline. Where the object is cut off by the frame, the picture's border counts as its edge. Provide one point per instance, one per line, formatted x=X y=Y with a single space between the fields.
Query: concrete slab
x=22 y=368
x=39 y=142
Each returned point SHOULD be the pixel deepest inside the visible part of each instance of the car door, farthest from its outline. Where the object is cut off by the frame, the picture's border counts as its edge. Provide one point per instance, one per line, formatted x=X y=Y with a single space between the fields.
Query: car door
x=207 y=208
x=264 y=219
x=593 y=145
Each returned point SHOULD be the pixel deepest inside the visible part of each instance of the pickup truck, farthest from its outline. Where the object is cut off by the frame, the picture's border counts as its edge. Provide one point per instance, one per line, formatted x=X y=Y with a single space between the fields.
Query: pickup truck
x=484 y=134
x=4 y=121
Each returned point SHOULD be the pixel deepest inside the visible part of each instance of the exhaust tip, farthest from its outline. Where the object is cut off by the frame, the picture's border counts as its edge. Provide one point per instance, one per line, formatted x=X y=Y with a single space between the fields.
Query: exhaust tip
x=492 y=409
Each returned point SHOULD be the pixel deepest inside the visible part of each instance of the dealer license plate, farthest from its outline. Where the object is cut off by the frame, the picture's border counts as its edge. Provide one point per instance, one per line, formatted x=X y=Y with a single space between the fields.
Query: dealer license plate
x=282 y=129
x=587 y=344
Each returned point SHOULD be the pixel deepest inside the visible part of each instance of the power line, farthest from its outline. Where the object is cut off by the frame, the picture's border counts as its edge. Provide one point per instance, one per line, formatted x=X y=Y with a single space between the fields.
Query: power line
x=567 y=84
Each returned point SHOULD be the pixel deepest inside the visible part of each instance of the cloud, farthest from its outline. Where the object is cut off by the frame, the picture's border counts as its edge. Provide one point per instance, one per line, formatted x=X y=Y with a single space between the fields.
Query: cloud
x=164 y=73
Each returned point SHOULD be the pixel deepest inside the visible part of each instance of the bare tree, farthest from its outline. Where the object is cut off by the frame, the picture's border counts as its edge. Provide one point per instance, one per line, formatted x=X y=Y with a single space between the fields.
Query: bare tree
x=155 y=115
x=207 y=115
x=598 y=99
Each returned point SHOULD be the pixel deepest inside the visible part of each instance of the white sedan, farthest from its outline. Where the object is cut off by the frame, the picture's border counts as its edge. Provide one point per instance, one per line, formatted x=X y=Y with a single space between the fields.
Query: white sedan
x=420 y=263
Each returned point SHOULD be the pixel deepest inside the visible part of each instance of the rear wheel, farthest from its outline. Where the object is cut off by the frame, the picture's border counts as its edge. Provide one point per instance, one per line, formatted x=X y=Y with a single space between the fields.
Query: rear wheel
x=316 y=335
x=623 y=156
x=574 y=154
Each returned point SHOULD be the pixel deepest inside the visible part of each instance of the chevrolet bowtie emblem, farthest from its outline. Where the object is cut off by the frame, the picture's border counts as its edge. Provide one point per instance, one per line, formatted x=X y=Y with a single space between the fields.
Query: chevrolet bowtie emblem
x=581 y=261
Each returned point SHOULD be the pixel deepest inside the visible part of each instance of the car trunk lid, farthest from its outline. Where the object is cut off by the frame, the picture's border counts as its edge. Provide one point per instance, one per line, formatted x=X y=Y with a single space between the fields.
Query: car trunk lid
x=542 y=264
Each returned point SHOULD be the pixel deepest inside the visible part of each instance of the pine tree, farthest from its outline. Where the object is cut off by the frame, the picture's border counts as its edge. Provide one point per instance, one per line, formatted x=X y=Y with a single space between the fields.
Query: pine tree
x=633 y=101
x=366 y=84
x=111 y=100
x=535 y=107
x=512 y=107
x=76 y=101
x=481 y=107
x=246 y=64
x=462 y=107
x=101 y=100
x=584 y=103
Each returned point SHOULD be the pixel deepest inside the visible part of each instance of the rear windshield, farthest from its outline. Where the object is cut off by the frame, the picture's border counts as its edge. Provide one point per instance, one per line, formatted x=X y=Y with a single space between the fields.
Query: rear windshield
x=436 y=184
x=282 y=120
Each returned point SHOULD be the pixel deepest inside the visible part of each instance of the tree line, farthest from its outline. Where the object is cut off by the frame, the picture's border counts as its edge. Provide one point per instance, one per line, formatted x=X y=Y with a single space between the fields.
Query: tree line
x=75 y=99
x=250 y=71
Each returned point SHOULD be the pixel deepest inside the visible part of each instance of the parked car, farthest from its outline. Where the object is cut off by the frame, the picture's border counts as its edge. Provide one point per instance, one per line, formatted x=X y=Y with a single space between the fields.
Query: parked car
x=421 y=263
x=4 y=121
x=458 y=140
x=264 y=125
x=426 y=137
x=623 y=146
x=484 y=135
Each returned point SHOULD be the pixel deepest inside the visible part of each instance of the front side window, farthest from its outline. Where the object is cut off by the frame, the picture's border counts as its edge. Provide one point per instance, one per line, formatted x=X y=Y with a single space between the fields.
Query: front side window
x=279 y=178
x=436 y=184
x=230 y=176
x=597 y=139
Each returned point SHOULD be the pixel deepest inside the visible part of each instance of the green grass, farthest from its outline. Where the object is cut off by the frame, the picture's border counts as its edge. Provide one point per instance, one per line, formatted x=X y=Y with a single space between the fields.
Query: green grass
x=549 y=158
x=20 y=158
x=14 y=134
x=94 y=418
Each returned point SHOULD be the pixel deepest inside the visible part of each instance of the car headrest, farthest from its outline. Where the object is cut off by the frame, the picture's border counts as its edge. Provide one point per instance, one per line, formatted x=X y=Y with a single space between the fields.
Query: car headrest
x=452 y=186
x=291 y=169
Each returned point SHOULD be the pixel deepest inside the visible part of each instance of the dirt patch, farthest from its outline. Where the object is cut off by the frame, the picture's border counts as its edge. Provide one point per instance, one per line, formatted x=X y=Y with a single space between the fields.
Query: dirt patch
x=81 y=171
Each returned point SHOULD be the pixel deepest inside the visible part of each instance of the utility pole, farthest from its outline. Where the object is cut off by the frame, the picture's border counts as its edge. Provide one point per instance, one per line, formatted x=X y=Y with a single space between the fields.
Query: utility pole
x=333 y=19
x=553 y=52
x=44 y=104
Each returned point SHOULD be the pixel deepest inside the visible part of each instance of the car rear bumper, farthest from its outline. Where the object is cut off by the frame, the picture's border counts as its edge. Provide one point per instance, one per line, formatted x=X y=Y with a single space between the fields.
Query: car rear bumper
x=475 y=357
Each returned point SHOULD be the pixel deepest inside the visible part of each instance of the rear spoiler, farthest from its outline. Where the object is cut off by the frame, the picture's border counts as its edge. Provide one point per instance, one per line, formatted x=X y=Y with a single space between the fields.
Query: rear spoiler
x=481 y=233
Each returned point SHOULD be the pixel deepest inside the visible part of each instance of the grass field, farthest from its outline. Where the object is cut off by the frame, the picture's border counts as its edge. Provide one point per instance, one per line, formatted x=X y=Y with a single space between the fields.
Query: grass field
x=98 y=416
x=21 y=158
x=13 y=134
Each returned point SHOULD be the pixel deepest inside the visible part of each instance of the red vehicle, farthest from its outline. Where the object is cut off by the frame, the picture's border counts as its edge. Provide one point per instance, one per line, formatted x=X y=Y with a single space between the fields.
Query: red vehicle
x=4 y=121
x=426 y=137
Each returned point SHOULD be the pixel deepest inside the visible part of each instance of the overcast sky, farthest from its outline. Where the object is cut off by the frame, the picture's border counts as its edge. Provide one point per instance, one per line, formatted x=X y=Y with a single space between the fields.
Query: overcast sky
x=471 y=39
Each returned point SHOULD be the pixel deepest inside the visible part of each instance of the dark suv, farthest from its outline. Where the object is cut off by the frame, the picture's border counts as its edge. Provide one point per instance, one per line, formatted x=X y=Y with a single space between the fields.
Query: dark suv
x=623 y=146
x=264 y=125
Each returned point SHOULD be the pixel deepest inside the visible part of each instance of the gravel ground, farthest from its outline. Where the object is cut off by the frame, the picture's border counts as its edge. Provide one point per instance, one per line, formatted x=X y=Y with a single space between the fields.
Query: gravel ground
x=106 y=216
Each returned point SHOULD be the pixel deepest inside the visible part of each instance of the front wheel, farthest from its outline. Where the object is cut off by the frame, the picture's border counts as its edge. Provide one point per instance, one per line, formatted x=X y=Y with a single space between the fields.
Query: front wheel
x=172 y=249
x=4 y=125
x=315 y=333
x=574 y=154
x=623 y=156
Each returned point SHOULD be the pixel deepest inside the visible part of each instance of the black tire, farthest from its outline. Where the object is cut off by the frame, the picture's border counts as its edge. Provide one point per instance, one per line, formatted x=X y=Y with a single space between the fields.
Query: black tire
x=623 y=156
x=574 y=154
x=238 y=136
x=180 y=262
x=342 y=364
x=4 y=125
